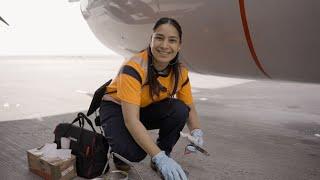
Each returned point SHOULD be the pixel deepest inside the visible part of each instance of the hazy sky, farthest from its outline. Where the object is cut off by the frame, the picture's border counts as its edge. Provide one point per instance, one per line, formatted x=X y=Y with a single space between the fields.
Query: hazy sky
x=46 y=27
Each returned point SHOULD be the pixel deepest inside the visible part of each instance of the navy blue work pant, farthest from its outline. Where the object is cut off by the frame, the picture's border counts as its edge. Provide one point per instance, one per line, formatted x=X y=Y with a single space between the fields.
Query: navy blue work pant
x=169 y=116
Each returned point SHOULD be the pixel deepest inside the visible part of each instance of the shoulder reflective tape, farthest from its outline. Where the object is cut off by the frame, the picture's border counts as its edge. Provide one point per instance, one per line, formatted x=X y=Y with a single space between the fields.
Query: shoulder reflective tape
x=126 y=69
x=185 y=83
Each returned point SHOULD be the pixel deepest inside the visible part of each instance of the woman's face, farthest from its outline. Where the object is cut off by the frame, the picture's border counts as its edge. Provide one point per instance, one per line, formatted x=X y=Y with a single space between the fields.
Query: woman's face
x=165 y=43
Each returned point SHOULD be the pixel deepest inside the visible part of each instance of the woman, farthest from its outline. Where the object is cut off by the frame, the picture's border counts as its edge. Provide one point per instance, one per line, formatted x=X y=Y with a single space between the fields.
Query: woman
x=151 y=91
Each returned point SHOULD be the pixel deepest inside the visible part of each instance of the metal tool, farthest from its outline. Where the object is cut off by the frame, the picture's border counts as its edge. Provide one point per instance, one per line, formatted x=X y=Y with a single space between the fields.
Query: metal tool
x=192 y=140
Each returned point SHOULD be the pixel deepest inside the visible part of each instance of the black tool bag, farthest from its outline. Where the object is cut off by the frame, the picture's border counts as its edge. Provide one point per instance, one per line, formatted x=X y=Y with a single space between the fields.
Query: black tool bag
x=89 y=147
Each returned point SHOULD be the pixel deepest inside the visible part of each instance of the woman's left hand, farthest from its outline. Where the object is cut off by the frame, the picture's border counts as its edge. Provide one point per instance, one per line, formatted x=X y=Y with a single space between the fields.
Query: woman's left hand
x=197 y=134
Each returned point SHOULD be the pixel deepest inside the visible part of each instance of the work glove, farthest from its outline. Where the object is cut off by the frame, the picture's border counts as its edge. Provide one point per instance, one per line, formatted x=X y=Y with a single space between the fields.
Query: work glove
x=168 y=167
x=197 y=134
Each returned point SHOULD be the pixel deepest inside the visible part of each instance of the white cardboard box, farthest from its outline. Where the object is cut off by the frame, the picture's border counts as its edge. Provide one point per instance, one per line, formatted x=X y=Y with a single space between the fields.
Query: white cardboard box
x=53 y=168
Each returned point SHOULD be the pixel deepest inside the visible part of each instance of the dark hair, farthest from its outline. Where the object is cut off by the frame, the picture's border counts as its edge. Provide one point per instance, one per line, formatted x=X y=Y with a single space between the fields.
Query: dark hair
x=155 y=86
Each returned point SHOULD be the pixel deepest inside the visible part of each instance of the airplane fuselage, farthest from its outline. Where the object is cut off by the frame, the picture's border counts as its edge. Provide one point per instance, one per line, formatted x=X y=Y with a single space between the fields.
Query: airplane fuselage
x=252 y=39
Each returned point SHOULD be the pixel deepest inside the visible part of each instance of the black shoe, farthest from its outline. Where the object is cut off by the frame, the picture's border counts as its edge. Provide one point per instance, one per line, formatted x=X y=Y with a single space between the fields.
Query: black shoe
x=120 y=165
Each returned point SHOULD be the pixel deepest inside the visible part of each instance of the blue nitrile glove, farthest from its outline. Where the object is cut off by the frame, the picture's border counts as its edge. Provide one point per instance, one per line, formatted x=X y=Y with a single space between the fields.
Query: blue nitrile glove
x=197 y=134
x=169 y=168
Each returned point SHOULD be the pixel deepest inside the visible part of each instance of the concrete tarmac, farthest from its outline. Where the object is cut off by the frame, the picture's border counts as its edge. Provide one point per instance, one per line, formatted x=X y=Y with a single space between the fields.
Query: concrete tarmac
x=253 y=129
x=39 y=86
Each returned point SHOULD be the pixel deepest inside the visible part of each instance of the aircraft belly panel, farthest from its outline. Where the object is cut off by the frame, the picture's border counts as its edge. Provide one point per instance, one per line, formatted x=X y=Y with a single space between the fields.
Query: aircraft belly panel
x=286 y=37
x=214 y=42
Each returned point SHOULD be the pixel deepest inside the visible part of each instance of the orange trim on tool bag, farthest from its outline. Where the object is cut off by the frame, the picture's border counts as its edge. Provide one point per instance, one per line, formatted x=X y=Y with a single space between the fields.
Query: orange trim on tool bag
x=248 y=37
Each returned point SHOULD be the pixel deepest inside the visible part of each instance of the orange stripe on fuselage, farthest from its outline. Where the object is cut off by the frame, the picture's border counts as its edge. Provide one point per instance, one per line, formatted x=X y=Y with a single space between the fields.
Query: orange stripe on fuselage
x=248 y=37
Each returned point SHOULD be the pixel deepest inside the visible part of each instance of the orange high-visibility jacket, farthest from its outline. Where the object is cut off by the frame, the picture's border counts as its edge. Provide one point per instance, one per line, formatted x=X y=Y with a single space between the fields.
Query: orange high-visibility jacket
x=130 y=83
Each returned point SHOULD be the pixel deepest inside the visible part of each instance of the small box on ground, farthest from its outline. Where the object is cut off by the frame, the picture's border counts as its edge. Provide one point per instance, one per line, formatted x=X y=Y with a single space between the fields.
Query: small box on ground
x=51 y=168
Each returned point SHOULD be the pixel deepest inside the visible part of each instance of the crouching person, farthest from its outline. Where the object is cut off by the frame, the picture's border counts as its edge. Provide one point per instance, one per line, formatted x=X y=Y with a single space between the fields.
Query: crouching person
x=151 y=91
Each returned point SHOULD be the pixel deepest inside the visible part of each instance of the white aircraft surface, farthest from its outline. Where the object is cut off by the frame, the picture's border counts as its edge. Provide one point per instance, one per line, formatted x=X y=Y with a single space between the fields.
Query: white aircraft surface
x=271 y=39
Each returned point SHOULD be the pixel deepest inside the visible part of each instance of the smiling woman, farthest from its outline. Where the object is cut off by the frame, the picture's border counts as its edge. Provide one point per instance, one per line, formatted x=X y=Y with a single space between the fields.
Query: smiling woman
x=45 y=27
x=165 y=45
x=151 y=91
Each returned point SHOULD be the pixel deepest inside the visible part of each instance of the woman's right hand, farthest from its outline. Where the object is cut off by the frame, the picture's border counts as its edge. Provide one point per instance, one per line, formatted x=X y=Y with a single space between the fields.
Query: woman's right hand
x=168 y=167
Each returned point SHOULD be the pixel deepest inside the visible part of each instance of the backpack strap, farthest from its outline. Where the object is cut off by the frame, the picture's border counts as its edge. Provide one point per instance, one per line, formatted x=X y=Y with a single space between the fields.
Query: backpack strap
x=96 y=100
